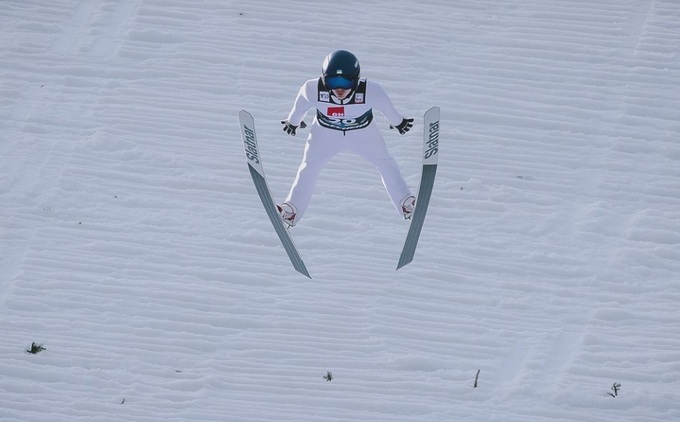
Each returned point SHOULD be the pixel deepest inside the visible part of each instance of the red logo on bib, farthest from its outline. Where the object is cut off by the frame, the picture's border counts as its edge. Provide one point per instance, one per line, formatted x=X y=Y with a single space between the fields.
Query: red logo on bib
x=336 y=112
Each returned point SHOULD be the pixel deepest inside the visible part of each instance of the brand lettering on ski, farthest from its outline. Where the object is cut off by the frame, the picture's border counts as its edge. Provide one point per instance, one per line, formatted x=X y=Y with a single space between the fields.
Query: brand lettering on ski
x=433 y=140
x=251 y=145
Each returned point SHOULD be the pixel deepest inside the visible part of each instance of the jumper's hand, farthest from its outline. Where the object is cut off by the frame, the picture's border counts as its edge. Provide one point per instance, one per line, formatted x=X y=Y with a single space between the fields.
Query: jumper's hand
x=404 y=126
x=288 y=128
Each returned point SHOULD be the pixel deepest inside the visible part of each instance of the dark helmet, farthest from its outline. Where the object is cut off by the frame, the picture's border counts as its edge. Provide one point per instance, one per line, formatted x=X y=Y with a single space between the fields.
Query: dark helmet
x=340 y=63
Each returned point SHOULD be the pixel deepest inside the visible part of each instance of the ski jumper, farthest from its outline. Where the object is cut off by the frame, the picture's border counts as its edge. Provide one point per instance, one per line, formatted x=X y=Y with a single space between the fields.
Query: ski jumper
x=341 y=125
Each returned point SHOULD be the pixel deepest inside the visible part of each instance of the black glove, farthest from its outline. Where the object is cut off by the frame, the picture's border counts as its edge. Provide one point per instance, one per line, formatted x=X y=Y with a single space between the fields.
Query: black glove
x=405 y=126
x=288 y=128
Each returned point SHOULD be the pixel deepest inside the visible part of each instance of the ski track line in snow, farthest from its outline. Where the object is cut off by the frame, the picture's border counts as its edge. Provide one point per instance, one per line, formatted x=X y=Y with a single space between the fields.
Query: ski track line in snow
x=134 y=247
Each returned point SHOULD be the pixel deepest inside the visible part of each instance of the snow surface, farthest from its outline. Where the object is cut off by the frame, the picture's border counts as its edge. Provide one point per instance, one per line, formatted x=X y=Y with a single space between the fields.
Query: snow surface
x=135 y=250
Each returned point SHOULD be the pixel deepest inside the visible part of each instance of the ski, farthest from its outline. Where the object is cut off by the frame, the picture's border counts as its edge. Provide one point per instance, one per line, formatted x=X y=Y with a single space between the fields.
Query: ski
x=254 y=161
x=429 y=159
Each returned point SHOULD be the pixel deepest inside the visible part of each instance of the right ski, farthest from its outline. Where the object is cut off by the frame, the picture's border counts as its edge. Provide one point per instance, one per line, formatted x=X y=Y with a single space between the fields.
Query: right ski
x=257 y=173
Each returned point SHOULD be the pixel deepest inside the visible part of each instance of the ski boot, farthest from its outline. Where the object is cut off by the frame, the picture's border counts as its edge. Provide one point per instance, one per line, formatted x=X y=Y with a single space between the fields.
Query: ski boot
x=408 y=205
x=288 y=213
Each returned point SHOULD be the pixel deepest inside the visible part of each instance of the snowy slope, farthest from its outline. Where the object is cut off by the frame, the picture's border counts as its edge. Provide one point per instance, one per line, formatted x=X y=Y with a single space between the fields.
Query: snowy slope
x=134 y=249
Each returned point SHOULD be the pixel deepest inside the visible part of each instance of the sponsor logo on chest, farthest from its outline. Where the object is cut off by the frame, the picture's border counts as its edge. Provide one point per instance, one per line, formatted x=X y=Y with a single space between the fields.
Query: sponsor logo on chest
x=336 y=112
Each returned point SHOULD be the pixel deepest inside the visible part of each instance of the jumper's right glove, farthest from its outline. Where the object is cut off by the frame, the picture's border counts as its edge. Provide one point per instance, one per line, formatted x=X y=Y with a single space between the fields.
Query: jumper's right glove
x=404 y=126
x=288 y=128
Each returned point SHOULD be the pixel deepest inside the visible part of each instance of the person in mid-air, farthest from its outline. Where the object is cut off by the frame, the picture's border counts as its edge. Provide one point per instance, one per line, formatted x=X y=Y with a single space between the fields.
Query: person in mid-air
x=344 y=104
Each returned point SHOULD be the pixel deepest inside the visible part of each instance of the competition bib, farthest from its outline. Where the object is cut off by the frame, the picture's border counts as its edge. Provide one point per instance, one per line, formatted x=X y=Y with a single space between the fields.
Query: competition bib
x=337 y=121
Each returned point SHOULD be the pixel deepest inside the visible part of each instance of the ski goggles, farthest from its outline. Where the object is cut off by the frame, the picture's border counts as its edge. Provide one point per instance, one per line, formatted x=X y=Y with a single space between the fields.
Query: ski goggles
x=340 y=82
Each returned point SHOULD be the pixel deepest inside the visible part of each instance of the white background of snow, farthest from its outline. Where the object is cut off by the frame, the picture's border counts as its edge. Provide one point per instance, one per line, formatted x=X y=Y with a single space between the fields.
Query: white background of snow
x=134 y=248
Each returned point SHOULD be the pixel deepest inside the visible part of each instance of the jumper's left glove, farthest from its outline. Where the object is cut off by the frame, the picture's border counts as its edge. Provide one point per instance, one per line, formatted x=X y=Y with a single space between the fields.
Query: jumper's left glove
x=288 y=128
x=404 y=126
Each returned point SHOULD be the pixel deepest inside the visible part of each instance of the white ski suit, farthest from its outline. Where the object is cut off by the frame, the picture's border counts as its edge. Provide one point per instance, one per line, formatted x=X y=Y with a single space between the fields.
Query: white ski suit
x=339 y=125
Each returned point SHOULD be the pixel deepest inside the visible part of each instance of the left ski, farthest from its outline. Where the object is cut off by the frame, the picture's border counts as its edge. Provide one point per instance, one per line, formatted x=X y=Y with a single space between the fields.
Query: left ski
x=252 y=151
x=430 y=157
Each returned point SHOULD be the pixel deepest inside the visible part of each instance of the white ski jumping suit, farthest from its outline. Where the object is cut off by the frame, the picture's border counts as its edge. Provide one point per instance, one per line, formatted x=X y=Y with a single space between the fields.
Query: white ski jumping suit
x=339 y=125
